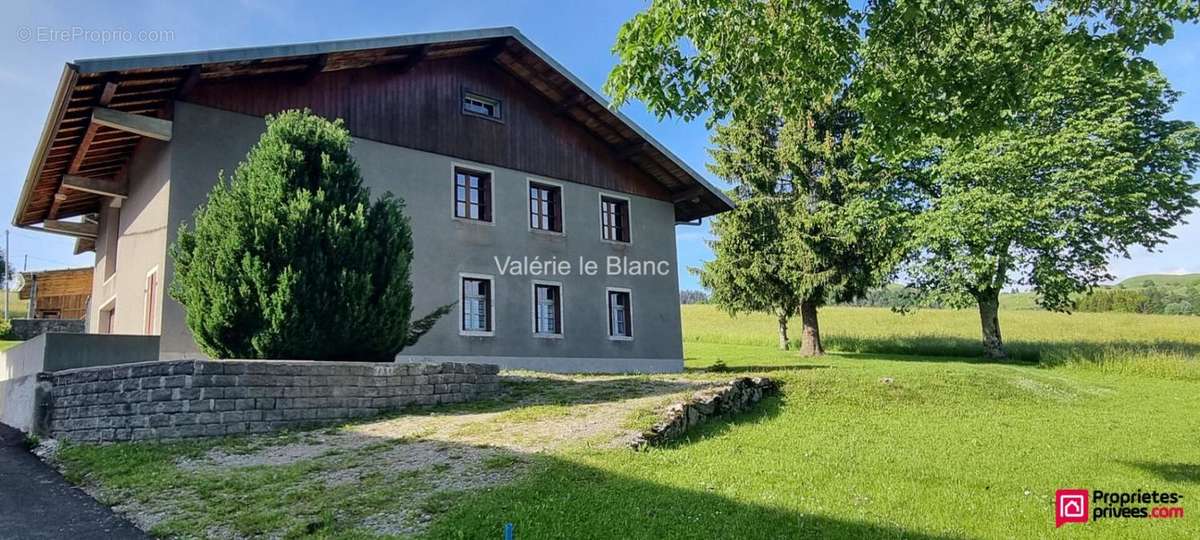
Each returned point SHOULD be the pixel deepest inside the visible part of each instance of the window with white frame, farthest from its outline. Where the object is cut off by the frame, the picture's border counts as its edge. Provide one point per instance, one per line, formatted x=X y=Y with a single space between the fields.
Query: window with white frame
x=614 y=219
x=620 y=319
x=547 y=309
x=472 y=194
x=545 y=207
x=476 y=304
x=478 y=105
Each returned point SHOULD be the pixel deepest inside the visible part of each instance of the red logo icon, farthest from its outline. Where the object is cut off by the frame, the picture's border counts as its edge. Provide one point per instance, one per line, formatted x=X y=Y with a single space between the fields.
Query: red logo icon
x=1070 y=506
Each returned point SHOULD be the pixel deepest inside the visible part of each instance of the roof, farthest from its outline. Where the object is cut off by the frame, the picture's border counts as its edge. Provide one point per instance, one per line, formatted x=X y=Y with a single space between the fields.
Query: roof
x=74 y=143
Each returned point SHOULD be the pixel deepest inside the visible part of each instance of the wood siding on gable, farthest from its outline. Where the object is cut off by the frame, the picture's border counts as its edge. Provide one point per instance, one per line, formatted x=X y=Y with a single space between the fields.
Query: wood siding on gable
x=422 y=109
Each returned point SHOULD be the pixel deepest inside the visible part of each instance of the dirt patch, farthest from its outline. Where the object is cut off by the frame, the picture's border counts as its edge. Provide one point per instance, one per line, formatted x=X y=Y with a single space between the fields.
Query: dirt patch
x=421 y=463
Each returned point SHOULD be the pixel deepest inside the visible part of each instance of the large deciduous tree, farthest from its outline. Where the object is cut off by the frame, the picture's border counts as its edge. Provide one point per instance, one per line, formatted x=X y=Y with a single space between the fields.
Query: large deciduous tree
x=946 y=67
x=1087 y=168
x=1036 y=166
x=292 y=259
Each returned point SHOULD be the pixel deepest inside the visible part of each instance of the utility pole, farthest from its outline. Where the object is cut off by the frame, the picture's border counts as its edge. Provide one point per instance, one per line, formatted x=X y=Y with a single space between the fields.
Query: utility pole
x=7 y=264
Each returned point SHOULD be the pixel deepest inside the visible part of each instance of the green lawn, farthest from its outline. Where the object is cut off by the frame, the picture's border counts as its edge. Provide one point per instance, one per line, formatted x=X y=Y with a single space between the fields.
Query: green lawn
x=7 y=344
x=861 y=443
x=17 y=308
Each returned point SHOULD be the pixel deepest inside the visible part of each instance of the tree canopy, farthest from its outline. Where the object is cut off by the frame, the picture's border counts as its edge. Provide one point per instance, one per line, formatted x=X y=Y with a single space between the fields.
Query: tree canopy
x=1030 y=139
x=835 y=231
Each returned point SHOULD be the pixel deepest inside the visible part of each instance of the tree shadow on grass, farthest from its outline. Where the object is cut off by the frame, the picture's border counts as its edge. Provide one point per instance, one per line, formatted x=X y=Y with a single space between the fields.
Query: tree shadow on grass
x=380 y=486
x=526 y=390
x=1188 y=473
x=565 y=498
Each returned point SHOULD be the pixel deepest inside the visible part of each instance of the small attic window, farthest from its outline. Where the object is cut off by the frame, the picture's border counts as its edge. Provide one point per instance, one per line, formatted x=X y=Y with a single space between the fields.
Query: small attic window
x=477 y=105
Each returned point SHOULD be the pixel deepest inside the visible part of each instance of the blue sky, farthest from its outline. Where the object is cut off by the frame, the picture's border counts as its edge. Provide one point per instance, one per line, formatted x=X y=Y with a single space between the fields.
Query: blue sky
x=577 y=34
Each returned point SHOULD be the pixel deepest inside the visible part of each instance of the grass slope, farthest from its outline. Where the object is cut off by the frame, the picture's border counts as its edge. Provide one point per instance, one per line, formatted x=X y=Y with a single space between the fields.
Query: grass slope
x=945 y=450
x=862 y=443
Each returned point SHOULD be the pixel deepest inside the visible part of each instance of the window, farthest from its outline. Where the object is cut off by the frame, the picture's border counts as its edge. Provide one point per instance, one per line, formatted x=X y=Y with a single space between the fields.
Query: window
x=108 y=317
x=112 y=232
x=476 y=305
x=477 y=105
x=545 y=207
x=547 y=309
x=620 y=320
x=472 y=194
x=614 y=219
x=151 y=297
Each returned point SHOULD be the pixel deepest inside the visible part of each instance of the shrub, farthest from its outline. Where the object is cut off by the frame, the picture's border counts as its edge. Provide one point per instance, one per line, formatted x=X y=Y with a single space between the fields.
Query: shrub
x=5 y=329
x=291 y=259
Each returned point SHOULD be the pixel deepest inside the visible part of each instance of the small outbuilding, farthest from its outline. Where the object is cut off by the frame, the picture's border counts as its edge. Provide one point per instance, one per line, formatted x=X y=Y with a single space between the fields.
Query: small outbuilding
x=57 y=294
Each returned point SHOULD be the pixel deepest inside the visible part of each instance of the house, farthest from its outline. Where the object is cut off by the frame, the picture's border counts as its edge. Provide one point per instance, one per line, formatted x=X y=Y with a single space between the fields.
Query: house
x=547 y=216
x=57 y=294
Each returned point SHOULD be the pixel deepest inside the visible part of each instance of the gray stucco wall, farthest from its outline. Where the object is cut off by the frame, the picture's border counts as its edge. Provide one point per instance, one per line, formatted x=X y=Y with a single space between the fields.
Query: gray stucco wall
x=140 y=224
x=207 y=140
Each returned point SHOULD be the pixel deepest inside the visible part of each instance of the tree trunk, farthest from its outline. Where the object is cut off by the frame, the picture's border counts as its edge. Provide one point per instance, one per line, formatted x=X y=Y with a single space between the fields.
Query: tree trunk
x=783 y=336
x=810 y=344
x=989 y=318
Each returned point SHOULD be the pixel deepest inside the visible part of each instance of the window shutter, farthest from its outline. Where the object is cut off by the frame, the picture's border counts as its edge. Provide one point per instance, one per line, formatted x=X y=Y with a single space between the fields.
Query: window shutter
x=624 y=217
x=485 y=197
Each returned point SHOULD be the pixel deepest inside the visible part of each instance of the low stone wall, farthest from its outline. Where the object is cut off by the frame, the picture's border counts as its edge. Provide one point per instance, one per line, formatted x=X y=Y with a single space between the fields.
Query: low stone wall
x=739 y=395
x=208 y=398
x=24 y=329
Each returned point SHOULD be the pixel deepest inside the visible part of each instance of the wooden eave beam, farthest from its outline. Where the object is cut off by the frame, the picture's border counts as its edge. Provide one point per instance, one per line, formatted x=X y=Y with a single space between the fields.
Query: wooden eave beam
x=107 y=188
x=688 y=194
x=106 y=95
x=314 y=69
x=570 y=103
x=70 y=228
x=59 y=198
x=415 y=57
x=84 y=144
x=493 y=51
x=146 y=126
x=629 y=150
x=83 y=245
x=188 y=83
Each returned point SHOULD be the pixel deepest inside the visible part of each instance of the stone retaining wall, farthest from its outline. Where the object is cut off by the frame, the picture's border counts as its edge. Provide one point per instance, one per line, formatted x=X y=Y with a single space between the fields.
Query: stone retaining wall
x=737 y=396
x=24 y=329
x=206 y=398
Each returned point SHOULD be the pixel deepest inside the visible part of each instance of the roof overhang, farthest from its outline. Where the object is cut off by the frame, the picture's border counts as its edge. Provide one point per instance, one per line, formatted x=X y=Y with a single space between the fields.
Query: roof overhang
x=103 y=107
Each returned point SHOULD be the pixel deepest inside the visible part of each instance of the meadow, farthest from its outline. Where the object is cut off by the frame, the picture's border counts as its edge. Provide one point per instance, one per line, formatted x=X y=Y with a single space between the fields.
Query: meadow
x=863 y=442
x=1161 y=345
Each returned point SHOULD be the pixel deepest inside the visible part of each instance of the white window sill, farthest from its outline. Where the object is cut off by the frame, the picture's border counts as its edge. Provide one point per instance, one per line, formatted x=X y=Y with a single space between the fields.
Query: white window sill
x=476 y=333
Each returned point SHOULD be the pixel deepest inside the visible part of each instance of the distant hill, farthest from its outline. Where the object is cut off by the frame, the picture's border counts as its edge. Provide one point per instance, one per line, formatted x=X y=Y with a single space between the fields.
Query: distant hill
x=1162 y=280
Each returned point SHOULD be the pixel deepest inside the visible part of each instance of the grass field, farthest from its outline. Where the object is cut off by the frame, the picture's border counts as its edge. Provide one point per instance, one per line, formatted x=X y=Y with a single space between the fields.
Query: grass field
x=1122 y=342
x=862 y=443
x=17 y=308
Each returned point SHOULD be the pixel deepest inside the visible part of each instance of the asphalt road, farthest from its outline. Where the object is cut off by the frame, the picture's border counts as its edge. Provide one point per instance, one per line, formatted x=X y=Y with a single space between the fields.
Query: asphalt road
x=36 y=502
